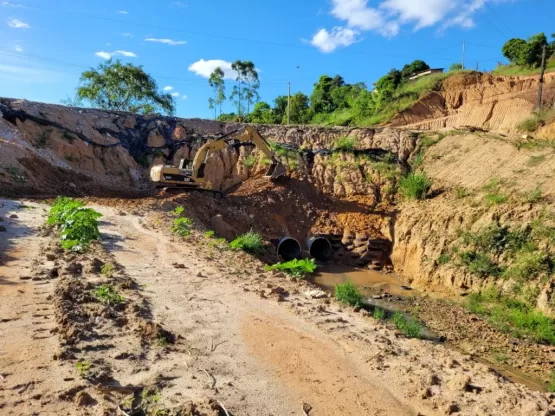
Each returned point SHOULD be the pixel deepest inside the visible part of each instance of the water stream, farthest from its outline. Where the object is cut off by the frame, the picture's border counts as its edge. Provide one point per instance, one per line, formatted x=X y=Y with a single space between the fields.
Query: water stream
x=388 y=292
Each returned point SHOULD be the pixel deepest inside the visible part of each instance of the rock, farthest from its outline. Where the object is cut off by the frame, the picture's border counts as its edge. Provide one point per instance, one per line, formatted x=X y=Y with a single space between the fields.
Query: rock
x=53 y=273
x=460 y=383
x=3 y=229
x=452 y=408
x=75 y=268
x=199 y=274
x=360 y=243
x=433 y=380
x=14 y=216
x=316 y=294
x=179 y=266
x=50 y=257
x=25 y=278
x=427 y=393
x=406 y=287
x=84 y=399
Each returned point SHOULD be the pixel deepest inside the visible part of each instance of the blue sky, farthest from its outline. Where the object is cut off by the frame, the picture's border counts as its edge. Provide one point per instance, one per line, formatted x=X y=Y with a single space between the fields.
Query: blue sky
x=46 y=44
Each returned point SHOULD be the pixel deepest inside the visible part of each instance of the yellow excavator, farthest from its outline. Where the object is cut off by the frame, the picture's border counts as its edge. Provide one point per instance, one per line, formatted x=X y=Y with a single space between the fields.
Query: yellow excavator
x=190 y=176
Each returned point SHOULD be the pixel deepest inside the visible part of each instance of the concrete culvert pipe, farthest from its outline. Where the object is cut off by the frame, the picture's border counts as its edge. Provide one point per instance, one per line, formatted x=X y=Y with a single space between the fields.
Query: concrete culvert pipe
x=289 y=249
x=319 y=248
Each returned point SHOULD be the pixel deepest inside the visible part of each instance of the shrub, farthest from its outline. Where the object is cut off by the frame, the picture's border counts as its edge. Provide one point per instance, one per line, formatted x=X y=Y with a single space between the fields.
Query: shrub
x=182 y=227
x=178 y=211
x=209 y=234
x=250 y=242
x=528 y=265
x=495 y=199
x=107 y=270
x=409 y=327
x=345 y=144
x=379 y=314
x=444 y=258
x=349 y=294
x=295 y=268
x=250 y=161
x=415 y=186
x=78 y=225
x=534 y=196
x=480 y=264
x=107 y=295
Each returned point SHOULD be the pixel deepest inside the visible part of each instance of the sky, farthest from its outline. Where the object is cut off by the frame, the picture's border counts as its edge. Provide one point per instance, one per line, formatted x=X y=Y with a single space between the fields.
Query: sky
x=46 y=44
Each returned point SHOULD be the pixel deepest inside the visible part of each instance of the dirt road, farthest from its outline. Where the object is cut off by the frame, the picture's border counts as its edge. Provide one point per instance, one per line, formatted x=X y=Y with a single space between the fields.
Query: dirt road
x=252 y=340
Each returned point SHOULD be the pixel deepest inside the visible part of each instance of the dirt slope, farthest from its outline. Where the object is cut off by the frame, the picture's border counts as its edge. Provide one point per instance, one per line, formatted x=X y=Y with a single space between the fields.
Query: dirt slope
x=479 y=100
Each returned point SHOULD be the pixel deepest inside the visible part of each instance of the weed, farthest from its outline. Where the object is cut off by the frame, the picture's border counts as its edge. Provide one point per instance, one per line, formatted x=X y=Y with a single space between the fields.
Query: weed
x=83 y=368
x=182 y=227
x=42 y=139
x=409 y=327
x=538 y=120
x=149 y=399
x=250 y=161
x=209 y=234
x=345 y=144
x=501 y=357
x=78 y=225
x=107 y=270
x=16 y=174
x=178 y=211
x=296 y=268
x=495 y=199
x=528 y=265
x=444 y=258
x=534 y=196
x=349 y=294
x=415 y=186
x=379 y=314
x=162 y=341
x=107 y=295
x=219 y=243
x=461 y=192
x=480 y=264
x=250 y=242
x=536 y=160
x=551 y=387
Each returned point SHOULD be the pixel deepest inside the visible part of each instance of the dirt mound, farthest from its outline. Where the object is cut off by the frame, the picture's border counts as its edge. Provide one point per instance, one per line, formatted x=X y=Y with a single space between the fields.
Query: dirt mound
x=478 y=100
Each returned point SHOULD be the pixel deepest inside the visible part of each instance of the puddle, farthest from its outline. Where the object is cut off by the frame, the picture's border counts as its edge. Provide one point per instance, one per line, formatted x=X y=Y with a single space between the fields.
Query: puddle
x=388 y=292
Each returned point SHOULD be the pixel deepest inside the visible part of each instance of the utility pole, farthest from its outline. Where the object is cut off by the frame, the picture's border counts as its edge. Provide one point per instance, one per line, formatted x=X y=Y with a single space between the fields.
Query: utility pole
x=540 y=90
x=289 y=101
x=463 y=56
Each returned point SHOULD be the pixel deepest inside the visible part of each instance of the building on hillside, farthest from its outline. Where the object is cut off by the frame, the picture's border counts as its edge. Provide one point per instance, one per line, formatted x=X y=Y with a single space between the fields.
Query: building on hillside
x=426 y=73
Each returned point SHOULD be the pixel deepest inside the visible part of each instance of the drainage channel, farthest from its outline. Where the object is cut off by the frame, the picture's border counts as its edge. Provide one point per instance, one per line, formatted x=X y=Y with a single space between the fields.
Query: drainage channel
x=389 y=293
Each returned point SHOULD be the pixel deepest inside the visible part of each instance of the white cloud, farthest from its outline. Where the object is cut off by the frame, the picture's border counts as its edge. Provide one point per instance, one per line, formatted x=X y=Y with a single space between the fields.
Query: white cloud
x=175 y=94
x=168 y=88
x=329 y=41
x=166 y=41
x=122 y=12
x=18 y=24
x=108 y=55
x=8 y=4
x=389 y=16
x=127 y=35
x=205 y=68
x=184 y=97
x=18 y=48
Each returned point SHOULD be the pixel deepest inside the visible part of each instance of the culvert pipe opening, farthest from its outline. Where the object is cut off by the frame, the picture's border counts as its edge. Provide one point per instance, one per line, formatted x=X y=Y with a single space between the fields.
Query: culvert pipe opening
x=319 y=248
x=289 y=249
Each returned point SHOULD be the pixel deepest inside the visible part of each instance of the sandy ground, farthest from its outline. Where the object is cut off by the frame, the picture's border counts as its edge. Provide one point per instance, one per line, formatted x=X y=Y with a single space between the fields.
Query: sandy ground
x=249 y=339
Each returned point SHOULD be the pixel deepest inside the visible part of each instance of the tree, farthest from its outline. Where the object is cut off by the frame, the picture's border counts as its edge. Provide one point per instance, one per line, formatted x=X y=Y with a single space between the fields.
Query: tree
x=455 y=67
x=299 y=109
x=216 y=81
x=263 y=114
x=280 y=107
x=364 y=105
x=246 y=90
x=515 y=50
x=320 y=99
x=534 y=50
x=388 y=84
x=414 y=68
x=114 y=86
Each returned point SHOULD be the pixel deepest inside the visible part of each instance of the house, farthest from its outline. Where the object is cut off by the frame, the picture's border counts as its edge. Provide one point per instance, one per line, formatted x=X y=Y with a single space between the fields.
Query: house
x=425 y=73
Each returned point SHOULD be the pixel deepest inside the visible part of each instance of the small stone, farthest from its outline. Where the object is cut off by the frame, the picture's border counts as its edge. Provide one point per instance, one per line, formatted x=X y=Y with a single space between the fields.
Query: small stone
x=452 y=408
x=433 y=380
x=50 y=257
x=75 y=268
x=25 y=278
x=179 y=266
x=199 y=274
x=13 y=216
x=84 y=399
x=460 y=383
x=316 y=294
x=427 y=393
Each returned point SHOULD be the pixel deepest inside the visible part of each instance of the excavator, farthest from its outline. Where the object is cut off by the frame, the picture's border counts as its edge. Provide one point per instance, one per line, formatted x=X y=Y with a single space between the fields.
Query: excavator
x=190 y=176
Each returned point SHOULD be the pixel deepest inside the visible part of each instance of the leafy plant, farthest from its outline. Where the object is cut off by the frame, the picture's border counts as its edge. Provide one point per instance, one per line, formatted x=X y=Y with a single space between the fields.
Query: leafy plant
x=349 y=294
x=379 y=314
x=250 y=242
x=345 y=144
x=480 y=264
x=107 y=270
x=495 y=199
x=182 y=227
x=107 y=295
x=83 y=368
x=250 y=161
x=209 y=234
x=444 y=258
x=296 y=268
x=536 y=160
x=409 y=327
x=178 y=211
x=415 y=186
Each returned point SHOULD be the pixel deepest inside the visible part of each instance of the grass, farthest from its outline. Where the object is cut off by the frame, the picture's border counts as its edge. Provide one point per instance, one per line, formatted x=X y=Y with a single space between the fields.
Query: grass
x=182 y=227
x=69 y=157
x=83 y=368
x=379 y=314
x=178 y=211
x=250 y=242
x=528 y=264
x=42 y=139
x=107 y=270
x=16 y=174
x=551 y=387
x=534 y=196
x=536 y=160
x=522 y=70
x=250 y=161
x=409 y=327
x=345 y=144
x=480 y=264
x=444 y=258
x=540 y=119
x=415 y=185
x=495 y=198
x=107 y=295
x=209 y=234
x=348 y=294
x=513 y=316
x=296 y=268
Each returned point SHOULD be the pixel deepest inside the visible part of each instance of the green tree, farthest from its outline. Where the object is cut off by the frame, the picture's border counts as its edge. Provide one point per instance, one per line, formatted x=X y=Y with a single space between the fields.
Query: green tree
x=216 y=81
x=299 y=109
x=387 y=85
x=320 y=99
x=414 y=68
x=245 y=92
x=263 y=114
x=114 y=86
x=364 y=105
x=515 y=50
x=280 y=107
x=534 y=50
x=455 y=67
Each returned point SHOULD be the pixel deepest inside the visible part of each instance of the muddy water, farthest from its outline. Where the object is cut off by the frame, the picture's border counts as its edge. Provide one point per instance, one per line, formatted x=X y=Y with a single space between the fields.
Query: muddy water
x=388 y=292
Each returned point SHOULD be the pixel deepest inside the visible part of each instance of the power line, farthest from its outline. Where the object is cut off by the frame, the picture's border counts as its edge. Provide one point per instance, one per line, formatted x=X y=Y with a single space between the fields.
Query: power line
x=495 y=27
x=499 y=17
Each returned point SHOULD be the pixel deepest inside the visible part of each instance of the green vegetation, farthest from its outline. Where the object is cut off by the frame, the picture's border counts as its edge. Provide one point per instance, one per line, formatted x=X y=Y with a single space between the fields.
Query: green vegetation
x=70 y=137
x=444 y=258
x=250 y=161
x=178 y=211
x=408 y=326
x=182 y=226
x=107 y=270
x=551 y=387
x=538 y=120
x=162 y=342
x=16 y=174
x=107 y=295
x=42 y=139
x=513 y=316
x=83 y=368
x=296 y=268
x=345 y=144
x=78 y=225
x=528 y=53
x=495 y=199
x=379 y=314
x=536 y=160
x=348 y=294
x=494 y=194
x=534 y=196
x=209 y=234
x=250 y=242
x=415 y=185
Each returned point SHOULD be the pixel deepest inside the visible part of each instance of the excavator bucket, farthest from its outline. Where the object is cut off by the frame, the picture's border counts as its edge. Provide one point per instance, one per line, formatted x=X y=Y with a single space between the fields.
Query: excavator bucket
x=277 y=170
